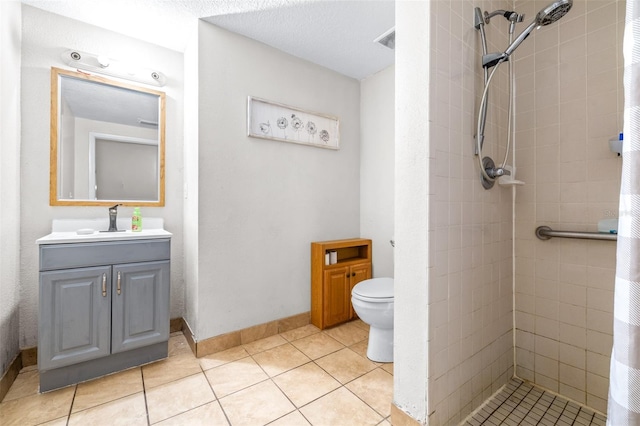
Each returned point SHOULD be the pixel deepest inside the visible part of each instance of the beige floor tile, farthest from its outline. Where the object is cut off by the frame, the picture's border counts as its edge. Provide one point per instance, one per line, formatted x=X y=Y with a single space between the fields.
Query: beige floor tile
x=62 y=421
x=345 y=365
x=306 y=383
x=37 y=408
x=178 y=397
x=256 y=405
x=223 y=357
x=361 y=349
x=291 y=419
x=107 y=388
x=26 y=384
x=376 y=389
x=359 y=323
x=264 y=344
x=170 y=369
x=206 y=415
x=178 y=345
x=317 y=345
x=280 y=359
x=235 y=376
x=29 y=368
x=175 y=397
x=127 y=411
x=348 y=333
x=299 y=333
x=338 y=408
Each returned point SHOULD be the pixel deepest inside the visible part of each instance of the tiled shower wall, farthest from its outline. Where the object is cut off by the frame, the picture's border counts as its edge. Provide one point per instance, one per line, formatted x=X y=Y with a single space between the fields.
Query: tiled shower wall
x=569 y=104
x=470 y=283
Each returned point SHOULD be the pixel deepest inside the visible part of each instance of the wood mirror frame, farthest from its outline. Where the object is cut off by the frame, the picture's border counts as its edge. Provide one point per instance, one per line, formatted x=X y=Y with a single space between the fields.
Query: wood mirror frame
x=56 y=85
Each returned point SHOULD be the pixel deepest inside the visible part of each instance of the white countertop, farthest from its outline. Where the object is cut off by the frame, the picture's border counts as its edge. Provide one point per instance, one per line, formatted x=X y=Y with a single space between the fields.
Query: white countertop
x=66 y=231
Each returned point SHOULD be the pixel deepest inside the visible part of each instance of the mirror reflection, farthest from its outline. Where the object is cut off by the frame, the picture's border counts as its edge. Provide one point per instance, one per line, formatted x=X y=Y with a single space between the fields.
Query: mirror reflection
x=107 y=142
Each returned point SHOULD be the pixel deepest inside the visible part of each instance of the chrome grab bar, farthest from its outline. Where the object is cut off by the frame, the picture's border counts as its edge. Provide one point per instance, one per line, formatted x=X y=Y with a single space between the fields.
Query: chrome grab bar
x=545 y=233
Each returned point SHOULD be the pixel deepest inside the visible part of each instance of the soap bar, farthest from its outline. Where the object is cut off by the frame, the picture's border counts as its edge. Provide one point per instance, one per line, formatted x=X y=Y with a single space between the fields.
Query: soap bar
x=85 y=231
x=609 y=226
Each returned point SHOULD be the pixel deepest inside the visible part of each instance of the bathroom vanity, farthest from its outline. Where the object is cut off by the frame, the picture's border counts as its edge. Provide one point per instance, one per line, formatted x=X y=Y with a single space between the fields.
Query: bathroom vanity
x=104 y=303
x=333 y=279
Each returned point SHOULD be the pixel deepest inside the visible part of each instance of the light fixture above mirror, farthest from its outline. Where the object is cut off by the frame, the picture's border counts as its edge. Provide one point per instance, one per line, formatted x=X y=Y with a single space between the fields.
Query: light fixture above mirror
x=110 y=66
x=107 y=142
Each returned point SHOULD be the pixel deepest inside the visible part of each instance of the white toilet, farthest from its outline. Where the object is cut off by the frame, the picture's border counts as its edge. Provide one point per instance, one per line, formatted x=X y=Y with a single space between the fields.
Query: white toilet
x=373 y=302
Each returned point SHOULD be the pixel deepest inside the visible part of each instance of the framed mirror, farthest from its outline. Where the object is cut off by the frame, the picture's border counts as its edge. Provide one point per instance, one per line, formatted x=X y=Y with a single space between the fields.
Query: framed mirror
x=107 y=142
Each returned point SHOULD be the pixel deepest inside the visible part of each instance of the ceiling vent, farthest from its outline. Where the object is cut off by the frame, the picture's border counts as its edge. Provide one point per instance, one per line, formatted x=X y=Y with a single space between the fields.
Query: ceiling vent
x=387 y=39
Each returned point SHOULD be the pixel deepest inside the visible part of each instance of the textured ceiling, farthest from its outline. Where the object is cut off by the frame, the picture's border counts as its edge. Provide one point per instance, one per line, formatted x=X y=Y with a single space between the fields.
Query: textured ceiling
x=336 y=34
x=332 y=33
x=111 y=104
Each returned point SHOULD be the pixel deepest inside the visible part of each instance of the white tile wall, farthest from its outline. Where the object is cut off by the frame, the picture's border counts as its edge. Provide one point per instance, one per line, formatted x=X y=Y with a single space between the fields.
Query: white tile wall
x=567 y=110
x=471 y=292
x=569 y=103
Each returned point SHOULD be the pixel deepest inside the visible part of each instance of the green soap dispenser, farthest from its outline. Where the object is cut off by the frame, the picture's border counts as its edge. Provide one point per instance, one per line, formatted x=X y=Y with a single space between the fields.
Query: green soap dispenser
x=136 y=220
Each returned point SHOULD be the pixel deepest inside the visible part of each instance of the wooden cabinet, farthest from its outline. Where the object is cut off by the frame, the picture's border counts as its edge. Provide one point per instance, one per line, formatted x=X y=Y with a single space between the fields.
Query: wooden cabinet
x=331 y=284
x=103 y=307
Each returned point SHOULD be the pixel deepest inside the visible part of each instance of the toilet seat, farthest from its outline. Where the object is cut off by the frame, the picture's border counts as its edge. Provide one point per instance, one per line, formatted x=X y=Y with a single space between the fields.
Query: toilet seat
x=378 y=290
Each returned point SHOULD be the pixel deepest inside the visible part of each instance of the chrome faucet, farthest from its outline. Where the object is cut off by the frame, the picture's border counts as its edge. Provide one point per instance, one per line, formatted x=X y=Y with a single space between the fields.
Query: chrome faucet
x=113 y=217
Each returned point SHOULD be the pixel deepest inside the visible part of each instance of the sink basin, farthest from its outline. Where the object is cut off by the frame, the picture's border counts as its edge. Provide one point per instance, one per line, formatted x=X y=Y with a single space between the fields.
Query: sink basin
x=84 y=230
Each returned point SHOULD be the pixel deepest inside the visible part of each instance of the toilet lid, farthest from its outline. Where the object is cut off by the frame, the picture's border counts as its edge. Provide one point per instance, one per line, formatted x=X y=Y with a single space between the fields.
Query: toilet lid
x=376 y=288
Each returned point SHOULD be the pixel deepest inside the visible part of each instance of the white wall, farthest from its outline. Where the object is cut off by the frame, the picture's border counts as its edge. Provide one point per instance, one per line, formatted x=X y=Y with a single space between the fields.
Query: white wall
x=45 y=37
x=10 y=36
x=191 y=171
x=377 y=113
x=261 y=203
x=412 y=213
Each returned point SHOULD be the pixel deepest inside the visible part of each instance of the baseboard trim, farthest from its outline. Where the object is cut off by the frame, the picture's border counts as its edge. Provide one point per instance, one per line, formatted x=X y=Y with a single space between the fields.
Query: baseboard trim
x=10 y=376
x=400 y=418
x=176 y=324
x=246 y=335
x=29 y=356
x=188 y=334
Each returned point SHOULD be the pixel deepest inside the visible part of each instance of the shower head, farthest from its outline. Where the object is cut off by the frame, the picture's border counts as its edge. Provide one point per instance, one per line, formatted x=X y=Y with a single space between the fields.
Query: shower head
x=546 y=16
x=553 y=12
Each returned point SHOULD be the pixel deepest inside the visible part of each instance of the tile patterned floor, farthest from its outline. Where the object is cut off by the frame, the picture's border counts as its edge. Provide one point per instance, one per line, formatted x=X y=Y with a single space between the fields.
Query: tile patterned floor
x=521 y=403
x=301 y=377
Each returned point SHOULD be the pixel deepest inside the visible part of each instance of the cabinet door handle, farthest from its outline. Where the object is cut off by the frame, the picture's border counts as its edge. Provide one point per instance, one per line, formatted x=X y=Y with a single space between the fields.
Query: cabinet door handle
x=118 y=286
x=104 y=285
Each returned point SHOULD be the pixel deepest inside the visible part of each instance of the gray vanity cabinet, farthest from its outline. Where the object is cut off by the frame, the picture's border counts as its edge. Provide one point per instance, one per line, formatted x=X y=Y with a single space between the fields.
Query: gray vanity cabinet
x=104 y=307
x=138 y=293
x=75 y=316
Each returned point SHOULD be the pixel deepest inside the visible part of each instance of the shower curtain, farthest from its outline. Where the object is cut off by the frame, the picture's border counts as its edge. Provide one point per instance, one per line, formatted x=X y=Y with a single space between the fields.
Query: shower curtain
x=624 y=383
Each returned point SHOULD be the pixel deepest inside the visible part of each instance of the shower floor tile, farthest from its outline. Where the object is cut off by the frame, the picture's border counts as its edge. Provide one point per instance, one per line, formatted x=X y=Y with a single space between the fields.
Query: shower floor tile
x=521 y=403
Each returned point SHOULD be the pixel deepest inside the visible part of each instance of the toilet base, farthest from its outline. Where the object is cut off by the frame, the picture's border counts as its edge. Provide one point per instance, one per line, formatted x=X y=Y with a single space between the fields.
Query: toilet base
x=380 y=347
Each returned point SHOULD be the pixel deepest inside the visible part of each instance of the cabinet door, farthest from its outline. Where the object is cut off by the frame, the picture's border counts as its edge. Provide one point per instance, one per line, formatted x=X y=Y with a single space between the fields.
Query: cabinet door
x=358 y=273
x=336 y=293
x=140 y=314
x=75 y=316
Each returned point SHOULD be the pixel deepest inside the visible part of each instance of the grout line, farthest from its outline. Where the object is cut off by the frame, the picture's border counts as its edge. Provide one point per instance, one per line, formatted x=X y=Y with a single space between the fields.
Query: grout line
x=75 y=391
x=217 y=400
x=492 y=411
x=144 y=392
